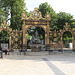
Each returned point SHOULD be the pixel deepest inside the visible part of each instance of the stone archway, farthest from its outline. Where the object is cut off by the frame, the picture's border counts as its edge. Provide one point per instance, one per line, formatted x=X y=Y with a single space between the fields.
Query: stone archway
x=35 y=19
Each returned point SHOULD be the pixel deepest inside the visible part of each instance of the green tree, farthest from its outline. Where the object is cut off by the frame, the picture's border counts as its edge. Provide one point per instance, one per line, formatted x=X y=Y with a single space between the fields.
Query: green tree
x=4 y=37
x=17 y=7
x=4 y=9
x=41 y=32
x=73 y=23
x=58 y=20
x=13 y=8
x=44 y=8
x=64 y=17
x=10 y=10
x=2 y=16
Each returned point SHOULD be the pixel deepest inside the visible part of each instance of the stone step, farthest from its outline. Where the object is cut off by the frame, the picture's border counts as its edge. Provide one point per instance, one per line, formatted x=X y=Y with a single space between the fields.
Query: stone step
x=41 y=53
x=68 y=51
x=17 y=53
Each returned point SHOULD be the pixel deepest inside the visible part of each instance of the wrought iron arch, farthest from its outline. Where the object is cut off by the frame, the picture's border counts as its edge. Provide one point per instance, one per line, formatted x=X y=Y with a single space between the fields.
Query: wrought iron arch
x=35 y=19
x=65 y=29
x=5 y=27
x=37 y=26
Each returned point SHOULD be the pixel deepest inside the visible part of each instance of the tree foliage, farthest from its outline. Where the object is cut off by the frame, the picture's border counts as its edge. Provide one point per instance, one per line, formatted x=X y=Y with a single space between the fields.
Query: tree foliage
x=17 y=8
x=13 y=9
x=41 y=32
x=57 y=19
x=63 y=18
x=4 y=37
x=10 y=10
x=44 y=8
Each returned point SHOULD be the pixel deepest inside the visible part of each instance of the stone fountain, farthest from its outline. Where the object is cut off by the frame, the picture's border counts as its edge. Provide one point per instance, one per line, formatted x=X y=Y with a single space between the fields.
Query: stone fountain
x=36 y=44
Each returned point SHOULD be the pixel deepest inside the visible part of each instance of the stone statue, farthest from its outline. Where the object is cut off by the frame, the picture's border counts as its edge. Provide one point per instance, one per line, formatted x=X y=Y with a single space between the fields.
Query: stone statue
x=36 y=34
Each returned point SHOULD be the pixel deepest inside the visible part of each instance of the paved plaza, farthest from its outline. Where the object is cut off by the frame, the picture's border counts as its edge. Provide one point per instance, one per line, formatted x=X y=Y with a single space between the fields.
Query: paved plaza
x=56 y=64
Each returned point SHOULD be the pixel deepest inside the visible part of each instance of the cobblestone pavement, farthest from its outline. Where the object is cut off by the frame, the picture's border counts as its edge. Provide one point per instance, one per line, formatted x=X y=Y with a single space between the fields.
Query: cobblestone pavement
x=58 y=64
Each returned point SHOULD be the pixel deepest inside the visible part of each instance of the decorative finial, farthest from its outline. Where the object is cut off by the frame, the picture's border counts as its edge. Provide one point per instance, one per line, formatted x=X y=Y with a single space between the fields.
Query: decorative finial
x=35 y=9
x=66 y=26
x=47 y=16
x=23 y=16
x=4 y=24
x=66 y=23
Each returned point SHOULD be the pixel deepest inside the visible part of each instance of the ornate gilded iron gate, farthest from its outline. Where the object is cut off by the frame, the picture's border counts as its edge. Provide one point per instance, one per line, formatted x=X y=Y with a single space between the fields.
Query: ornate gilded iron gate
x=35 y=19
x=15 y=37
x=5 y=27
x=18 y=39
x=56 y=39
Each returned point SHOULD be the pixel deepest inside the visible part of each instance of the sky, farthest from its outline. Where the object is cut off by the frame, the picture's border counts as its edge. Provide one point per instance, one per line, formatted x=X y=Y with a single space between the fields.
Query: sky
x=67 y=6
